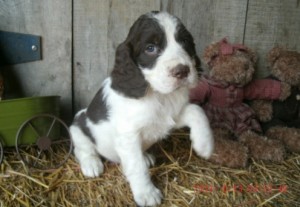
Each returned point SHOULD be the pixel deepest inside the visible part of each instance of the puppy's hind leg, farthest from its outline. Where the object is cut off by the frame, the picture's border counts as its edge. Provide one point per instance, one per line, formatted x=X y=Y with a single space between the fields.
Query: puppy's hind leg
x=85 y=152
x=135 y=168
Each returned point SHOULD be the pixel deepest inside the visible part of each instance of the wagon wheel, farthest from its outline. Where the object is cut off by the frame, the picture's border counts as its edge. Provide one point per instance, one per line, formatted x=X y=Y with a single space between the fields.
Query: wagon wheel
x=1 y=152
x=43 y=142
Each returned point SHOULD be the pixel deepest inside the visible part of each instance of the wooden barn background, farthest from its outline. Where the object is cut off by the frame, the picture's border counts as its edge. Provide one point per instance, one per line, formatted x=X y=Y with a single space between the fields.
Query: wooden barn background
x=79 y=37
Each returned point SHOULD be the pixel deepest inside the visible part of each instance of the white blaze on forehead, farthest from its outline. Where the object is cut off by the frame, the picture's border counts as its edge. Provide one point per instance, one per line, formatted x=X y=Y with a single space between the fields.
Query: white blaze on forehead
x=168 y=23
x=173 y=51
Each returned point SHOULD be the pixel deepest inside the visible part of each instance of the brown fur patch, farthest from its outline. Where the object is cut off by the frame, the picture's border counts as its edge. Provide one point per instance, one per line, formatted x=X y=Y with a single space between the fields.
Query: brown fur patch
x=263 y=109
x=263 y=148
x=285 y=65
x=289 y=136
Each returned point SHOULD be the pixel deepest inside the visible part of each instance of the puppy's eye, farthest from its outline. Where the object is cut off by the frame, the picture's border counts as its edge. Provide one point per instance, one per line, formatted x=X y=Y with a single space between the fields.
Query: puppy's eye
x=152 y=49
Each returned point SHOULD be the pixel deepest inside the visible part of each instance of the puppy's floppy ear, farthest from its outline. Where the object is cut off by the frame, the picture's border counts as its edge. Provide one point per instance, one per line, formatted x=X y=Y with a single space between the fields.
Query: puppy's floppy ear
x=127 y=78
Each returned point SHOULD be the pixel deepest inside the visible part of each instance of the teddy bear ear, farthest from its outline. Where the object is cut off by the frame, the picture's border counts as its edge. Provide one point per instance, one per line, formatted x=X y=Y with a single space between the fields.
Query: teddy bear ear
x=274 y=54
x=210 y=53
x=251 y=54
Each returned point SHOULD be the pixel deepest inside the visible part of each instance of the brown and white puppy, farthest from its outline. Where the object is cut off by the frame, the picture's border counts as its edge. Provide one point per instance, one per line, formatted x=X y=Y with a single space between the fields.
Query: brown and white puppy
x=145 y=97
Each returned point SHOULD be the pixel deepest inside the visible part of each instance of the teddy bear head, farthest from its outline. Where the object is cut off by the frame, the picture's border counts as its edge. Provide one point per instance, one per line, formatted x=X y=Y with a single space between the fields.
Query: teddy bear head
x=285 y=65
x=230 y=63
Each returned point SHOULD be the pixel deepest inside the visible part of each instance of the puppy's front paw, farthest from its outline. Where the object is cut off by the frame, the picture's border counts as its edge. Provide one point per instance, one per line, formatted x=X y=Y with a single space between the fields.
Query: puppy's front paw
x=92 y=167
x=148 y=196
x=204 y=145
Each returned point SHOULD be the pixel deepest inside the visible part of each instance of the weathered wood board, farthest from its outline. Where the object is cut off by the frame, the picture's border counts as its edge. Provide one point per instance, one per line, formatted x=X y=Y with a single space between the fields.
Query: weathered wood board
x=272 y=23
x=99 y=27
x=52 y=20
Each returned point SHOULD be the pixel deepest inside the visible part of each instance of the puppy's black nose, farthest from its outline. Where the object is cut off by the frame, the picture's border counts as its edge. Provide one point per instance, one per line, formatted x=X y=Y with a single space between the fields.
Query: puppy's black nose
x=180 y=71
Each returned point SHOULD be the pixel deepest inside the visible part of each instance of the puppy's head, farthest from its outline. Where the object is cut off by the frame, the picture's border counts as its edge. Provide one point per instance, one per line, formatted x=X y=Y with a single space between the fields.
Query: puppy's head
x=158 y=54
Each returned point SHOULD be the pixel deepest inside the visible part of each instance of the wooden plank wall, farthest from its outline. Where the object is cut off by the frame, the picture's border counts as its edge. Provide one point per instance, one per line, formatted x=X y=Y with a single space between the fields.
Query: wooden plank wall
x=52 y=20
x=100 y=25
x=272 y=23
x=98 y=30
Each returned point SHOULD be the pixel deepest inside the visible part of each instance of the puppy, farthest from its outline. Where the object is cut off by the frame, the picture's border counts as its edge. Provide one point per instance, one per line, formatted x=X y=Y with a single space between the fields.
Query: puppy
x=145 y=97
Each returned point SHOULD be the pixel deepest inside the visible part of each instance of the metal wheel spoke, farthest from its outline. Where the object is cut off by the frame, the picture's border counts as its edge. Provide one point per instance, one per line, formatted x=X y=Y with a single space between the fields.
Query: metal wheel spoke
x=37 y=158
x=50 y=150
x=60 y=141
x=36 y=132
x=51 y=127
x=1 y=152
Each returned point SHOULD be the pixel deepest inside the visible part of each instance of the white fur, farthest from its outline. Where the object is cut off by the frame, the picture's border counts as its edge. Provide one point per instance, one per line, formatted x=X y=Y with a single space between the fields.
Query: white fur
x=134 y=125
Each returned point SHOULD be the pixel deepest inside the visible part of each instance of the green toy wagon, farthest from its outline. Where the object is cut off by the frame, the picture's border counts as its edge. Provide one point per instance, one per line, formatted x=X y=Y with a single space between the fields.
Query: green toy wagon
x=42 y=140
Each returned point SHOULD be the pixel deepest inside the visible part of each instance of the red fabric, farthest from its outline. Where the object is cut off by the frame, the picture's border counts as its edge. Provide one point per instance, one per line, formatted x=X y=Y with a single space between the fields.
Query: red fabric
x=224 y=105
x=228 y=49
x=263 y=89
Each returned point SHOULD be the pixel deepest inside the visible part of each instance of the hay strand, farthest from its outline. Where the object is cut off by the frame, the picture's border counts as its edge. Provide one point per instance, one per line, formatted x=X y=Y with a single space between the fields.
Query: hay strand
x=11 y=172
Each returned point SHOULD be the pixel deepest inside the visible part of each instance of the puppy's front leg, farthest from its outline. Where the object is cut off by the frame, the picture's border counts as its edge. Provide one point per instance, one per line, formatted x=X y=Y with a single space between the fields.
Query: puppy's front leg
x=136 y=171
x=201 y=136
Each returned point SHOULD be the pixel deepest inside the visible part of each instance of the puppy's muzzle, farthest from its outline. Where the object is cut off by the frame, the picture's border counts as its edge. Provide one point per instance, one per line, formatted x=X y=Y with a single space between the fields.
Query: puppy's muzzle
x=180 y=71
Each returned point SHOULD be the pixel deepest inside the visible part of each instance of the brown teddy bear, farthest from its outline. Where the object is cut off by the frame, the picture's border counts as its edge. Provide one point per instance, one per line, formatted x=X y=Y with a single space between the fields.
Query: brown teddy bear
x=281 y=119
x=221 y=94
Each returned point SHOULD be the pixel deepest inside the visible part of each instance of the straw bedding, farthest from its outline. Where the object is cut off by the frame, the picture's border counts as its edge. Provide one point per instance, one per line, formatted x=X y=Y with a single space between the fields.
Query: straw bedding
x=185 y=180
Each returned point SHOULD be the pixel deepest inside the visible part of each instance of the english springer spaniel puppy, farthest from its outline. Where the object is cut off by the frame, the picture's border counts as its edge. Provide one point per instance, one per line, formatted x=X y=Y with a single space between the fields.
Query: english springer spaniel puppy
x=145 y=97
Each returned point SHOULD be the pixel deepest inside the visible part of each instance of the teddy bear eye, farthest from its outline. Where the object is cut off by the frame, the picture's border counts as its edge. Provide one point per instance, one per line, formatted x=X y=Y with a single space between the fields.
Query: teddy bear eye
x=246 y=66
x=214 y=57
